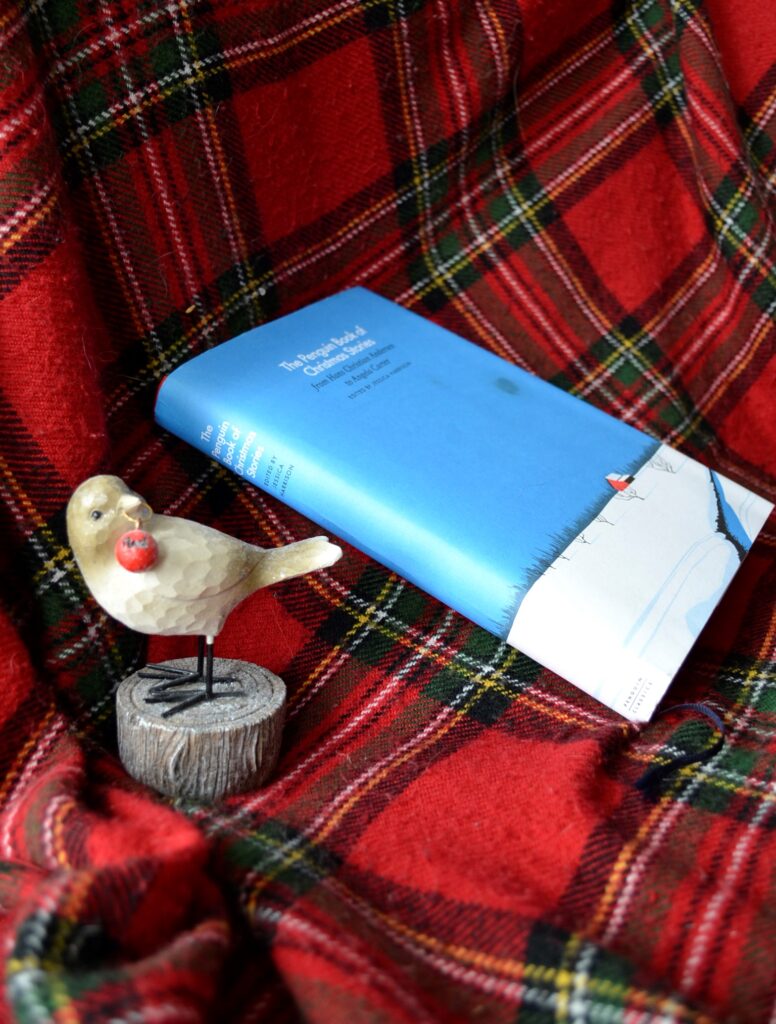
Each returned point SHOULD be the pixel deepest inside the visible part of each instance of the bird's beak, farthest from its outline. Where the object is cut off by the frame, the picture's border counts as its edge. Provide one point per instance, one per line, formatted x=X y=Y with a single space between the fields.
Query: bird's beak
x=134 y=508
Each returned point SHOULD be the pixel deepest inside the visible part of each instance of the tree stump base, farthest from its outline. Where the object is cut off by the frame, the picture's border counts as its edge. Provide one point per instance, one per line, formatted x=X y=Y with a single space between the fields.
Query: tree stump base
x=212 y=749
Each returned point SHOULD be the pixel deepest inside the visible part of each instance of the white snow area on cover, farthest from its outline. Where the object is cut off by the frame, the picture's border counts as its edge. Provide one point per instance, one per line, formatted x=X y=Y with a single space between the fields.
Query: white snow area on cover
x=617 y=613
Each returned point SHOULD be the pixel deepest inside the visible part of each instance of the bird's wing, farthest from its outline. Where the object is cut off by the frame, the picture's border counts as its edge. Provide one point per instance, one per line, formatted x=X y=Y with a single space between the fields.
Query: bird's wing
x=196 y=561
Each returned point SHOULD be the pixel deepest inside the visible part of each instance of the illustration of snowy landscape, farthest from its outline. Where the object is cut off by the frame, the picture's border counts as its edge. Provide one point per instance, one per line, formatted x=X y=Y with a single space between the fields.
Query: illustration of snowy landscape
x=622 y=605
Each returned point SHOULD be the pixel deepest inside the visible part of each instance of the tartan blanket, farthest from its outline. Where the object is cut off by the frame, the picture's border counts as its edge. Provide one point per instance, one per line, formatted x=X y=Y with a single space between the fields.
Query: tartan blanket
x=452 y=834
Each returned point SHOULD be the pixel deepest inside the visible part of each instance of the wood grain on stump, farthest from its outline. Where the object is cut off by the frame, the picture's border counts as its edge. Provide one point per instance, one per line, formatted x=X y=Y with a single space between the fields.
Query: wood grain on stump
x=207 y=751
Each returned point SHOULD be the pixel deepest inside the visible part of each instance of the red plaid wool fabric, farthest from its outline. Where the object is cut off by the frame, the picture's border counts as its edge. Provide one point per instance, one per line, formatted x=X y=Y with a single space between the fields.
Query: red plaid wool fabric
x=453 y=834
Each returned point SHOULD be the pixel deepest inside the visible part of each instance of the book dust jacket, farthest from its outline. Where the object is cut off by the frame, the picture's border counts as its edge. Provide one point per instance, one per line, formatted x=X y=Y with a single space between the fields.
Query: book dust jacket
x=571 y=535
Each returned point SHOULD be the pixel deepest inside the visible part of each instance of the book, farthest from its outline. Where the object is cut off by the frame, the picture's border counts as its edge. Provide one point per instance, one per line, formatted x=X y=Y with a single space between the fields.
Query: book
x=576 y=538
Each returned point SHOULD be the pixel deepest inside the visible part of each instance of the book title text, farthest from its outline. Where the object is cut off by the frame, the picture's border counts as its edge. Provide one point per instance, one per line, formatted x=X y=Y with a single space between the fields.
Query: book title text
x=332 y=352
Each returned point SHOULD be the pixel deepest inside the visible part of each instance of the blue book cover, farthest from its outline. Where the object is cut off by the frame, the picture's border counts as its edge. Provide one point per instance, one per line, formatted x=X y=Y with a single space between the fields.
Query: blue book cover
x=576 y=538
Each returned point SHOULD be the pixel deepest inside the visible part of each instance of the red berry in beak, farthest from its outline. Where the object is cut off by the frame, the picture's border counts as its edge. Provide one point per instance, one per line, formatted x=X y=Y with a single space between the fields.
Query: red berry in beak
x=136 y=551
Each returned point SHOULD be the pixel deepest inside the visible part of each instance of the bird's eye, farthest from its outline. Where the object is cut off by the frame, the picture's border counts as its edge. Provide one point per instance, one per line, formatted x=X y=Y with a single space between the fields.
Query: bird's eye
x=96 y=514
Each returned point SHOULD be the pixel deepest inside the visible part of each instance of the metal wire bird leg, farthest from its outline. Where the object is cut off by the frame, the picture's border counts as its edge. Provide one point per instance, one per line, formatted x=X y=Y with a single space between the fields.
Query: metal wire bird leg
x=174 y=677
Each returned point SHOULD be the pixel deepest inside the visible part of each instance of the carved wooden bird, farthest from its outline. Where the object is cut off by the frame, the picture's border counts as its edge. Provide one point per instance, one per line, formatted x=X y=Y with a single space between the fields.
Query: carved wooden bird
x=188 y=584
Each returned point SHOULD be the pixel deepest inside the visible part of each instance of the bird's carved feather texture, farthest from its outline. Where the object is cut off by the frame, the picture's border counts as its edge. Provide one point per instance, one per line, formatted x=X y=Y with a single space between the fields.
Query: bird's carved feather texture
x=200 y=574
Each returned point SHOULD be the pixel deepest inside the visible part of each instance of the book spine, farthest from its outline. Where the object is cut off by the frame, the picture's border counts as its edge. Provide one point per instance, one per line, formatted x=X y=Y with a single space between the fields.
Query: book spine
x=301 y=477
x=244 y=447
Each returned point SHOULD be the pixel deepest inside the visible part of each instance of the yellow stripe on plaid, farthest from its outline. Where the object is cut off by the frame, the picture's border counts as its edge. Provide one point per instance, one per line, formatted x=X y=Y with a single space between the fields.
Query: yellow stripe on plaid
x=360 y=620
x=542 y=974
x=29 y=223
x=17 y=766
x=767 y=107
x=58 y=830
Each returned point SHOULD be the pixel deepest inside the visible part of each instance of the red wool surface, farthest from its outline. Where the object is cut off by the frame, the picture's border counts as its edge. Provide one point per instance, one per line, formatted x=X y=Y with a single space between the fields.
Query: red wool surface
x=453 y=834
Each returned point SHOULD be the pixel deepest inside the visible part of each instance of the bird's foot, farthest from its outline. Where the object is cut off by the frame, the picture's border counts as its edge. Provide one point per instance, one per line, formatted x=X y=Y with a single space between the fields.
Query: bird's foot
x=184 y=699
x=170 y=678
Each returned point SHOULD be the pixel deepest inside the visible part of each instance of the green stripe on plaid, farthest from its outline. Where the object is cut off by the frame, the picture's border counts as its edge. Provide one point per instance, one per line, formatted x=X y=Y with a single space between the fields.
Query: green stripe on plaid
x=751 y=679
x=637 y=25
x=452 y=264
x=280 y=855
x=736 y=220
x=627 y=351
x=575 y=978
x=385 y=13
x=181 y=71
x=761 y=145
x=170 y=60
x=487 y=693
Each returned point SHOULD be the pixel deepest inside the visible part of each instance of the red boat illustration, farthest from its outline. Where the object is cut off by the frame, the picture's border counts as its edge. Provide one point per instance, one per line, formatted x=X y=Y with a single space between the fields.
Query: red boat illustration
x=620 y=481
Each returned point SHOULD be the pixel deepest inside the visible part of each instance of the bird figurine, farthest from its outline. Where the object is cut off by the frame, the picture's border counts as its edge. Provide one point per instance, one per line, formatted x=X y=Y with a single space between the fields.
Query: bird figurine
x=164 y=575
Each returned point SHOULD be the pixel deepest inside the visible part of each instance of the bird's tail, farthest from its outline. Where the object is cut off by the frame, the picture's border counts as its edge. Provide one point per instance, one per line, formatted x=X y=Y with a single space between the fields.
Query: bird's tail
x=295 y=559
